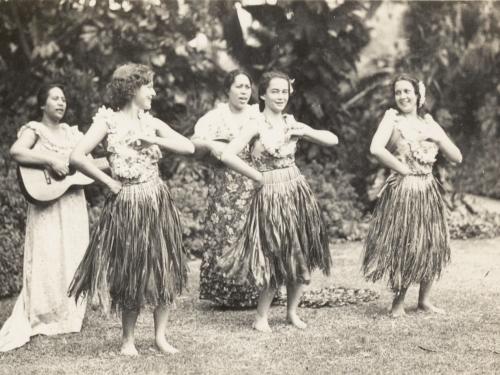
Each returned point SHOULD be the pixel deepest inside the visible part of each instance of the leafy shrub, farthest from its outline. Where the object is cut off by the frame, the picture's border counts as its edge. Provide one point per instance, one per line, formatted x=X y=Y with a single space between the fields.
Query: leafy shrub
x=189 y=192
x=12 y=227
x=338 y=200
x=474 y=225
x=479 y=172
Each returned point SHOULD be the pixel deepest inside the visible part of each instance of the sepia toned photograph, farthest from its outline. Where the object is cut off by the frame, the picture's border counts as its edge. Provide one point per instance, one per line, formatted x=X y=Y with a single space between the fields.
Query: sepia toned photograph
x=249 y=187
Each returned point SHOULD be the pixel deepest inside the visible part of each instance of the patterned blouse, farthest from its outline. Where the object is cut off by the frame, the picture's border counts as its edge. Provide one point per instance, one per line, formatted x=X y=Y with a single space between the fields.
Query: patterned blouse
x=409 y=144
x=130 y=161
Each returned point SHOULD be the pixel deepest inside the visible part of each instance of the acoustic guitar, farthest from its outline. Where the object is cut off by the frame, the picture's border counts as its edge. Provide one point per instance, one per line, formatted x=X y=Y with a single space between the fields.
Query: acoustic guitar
x=40 y=186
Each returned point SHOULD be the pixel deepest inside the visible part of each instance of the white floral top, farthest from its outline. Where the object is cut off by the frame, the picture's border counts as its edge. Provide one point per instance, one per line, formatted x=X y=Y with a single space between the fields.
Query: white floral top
x=221 y=124
x=410 y=146
x=47 y=142
x=274 y=148
x=130 y=161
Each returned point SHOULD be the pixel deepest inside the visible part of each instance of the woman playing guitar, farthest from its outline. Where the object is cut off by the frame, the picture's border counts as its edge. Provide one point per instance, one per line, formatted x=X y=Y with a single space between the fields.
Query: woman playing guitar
x=56 y=232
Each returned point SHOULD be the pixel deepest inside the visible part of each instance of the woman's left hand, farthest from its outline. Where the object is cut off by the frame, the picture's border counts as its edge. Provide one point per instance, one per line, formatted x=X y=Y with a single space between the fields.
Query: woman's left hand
x=433 y=134
x=144 y=141
x=296 y=133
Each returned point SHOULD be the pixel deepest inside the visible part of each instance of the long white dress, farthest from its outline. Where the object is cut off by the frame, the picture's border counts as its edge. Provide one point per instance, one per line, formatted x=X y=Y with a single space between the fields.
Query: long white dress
x=56 y=239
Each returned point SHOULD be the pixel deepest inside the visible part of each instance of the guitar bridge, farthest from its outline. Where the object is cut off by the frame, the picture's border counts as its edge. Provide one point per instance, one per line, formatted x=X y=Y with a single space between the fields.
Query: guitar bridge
x=48 y=180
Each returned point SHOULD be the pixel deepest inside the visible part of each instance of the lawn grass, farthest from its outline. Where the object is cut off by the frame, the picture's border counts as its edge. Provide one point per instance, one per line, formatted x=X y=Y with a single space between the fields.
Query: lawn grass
x=358 y=339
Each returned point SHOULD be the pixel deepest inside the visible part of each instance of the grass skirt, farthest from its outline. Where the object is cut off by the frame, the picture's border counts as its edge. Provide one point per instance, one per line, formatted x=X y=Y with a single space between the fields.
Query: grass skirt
x=284 y=237
x=135 y=255
x=408 y=238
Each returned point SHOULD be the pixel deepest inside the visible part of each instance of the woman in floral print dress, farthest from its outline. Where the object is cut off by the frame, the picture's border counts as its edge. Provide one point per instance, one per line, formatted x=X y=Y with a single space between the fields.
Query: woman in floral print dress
x=228 y=192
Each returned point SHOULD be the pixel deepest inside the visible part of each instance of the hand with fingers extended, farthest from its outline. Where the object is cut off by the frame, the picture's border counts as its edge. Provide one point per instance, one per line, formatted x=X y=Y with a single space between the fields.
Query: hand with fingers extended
x=296 y=133
x=217 y=148
x=141 y=141
x=434 y=135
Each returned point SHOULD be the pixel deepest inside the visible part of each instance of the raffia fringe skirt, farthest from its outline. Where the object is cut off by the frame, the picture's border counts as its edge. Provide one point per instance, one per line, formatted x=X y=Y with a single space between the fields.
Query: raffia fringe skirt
x=408 y=239
x=284 y=237
x=135 y=255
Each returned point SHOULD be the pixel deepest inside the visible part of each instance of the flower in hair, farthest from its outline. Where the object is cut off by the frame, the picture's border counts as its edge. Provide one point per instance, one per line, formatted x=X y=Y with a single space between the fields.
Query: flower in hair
x=421 y=90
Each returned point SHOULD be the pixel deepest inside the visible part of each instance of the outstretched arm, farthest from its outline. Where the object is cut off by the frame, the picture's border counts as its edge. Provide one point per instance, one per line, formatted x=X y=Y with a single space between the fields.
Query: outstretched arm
x=204 y=147
x=379 y=143
x=79 y=159
x=229 y=155
x=169 y=139
x=321 y=137
x=201 y=146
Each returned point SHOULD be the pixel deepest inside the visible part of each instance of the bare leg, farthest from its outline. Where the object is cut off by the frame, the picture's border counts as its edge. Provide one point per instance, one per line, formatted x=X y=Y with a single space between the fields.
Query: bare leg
x=294 y=292
x=129 y=319
x=160 y=318
x=261 y=322
x=423 y=299
x=398 y=302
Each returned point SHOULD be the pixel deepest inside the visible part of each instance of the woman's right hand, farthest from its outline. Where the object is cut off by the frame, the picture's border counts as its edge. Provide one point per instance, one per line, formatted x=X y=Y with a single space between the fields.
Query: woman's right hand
x=115 y=186
x=405 y=171
x=60 y=167
x=217 y=148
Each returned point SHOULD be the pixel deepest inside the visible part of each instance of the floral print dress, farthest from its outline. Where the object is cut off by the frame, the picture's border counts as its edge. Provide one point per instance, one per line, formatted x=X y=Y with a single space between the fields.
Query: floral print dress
x=228 y=196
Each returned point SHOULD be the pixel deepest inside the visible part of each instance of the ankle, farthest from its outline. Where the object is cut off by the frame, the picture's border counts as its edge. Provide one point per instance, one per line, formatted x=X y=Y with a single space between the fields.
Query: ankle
x=261 y=316
x=128 y=339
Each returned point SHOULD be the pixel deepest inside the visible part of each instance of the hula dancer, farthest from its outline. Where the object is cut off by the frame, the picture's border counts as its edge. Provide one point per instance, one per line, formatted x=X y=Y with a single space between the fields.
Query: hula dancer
x=135 y=256
x=408 y=240
x=284 y=237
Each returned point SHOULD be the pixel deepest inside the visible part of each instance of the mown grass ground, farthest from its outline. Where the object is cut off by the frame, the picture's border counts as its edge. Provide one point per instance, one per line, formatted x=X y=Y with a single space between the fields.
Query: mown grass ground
x=358 y=339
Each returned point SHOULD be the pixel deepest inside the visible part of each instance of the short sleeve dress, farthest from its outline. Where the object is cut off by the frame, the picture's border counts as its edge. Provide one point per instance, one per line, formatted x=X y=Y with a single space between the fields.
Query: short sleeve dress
x=229 y=194
x=56 y=238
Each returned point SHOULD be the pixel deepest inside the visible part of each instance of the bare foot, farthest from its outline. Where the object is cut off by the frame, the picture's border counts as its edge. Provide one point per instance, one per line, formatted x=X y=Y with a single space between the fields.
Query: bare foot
x=397 y=310
x=296 y=321
x=430 y=308
x=261 y=324
x=128 y=348
x=164 y=347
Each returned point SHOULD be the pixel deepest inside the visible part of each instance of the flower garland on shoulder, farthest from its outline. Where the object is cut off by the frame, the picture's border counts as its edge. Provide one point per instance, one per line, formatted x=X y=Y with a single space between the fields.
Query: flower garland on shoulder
x=276 y=140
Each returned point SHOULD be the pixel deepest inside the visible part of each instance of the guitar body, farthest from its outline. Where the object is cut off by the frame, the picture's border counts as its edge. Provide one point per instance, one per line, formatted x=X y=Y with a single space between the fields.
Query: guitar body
x=41 y=187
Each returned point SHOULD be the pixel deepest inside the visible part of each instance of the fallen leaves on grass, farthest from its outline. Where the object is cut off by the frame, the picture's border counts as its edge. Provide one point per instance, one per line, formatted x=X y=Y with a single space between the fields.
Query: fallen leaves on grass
x=331 y=297
x=427 y=349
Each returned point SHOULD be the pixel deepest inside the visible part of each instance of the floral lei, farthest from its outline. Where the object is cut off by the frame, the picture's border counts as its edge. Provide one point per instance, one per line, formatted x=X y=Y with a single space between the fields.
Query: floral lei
x=423 y=151
x=276 y=141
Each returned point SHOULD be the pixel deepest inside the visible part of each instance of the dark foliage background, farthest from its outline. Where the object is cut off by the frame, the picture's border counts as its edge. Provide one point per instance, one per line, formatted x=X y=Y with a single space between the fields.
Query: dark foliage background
x=452 y=46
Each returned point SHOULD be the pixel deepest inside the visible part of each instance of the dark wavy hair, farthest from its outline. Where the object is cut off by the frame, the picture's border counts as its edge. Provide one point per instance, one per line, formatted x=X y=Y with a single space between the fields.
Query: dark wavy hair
x=43 y=93
x=414 y=82
x=125 y=82
x=266 y=79
x=231 y=76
